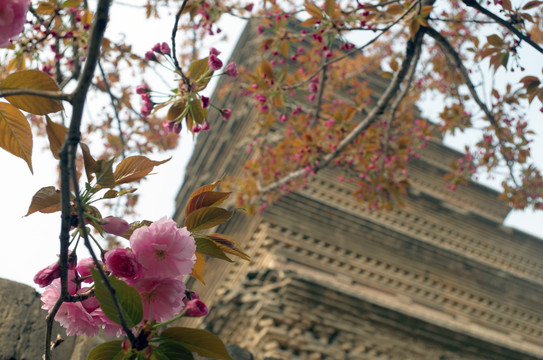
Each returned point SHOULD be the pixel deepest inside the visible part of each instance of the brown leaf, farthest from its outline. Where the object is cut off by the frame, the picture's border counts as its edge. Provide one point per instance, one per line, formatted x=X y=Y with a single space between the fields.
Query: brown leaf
x=205 y=199
x=46 y=200
x=56 y=134
x=228 y=245
x=199 y=265
x=36 y=80
x=134 y=168
x=88 y=161
x=15 y=133
x=205 y=218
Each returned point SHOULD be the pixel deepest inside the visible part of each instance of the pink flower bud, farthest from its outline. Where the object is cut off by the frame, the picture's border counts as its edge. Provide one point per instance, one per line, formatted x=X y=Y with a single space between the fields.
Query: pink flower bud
x=214 y=62
x=205 y=126
x=260 y=29
x=196 y=129
x=150 y=56
x=142 y=89
x=164 y=48
x=214 y=52
x=282 y=118
x=122 y=263
x=231 y=69
x=261 y=98
x=196 y=308
x=115 y=225
x=156 y=47
x=204 y=100
x=226 y=113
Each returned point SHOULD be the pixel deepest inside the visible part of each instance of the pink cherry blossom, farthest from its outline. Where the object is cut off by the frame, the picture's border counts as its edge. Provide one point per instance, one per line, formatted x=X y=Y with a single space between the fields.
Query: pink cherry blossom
x=83 y=268
x=110 y=327
x=162 y=298
x=46 y=276
x=115 y=225
x=71 y=315
x=214 y=51
x=164 y=250
x=12 y=19
x=122 y=263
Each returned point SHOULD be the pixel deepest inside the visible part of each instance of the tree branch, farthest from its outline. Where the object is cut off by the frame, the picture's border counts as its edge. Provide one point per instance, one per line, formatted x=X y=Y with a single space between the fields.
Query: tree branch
x=474 y=4
x=373 y=115
x=67 y=164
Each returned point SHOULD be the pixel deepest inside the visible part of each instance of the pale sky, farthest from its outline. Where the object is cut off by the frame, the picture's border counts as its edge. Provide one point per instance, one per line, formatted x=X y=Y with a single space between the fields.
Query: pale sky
x=31 y=243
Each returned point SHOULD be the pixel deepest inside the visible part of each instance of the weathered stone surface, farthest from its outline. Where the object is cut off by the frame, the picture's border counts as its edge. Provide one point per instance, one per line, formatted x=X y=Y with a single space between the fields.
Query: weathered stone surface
x=236 y=352
x=22 y=329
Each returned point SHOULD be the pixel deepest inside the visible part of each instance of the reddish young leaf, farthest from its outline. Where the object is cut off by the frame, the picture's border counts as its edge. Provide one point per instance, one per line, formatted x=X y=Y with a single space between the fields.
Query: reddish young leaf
x=205 y=199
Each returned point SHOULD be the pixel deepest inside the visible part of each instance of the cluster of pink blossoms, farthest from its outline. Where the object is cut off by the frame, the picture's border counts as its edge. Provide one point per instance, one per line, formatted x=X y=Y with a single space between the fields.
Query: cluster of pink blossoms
x=160 y=255
x=12 y=19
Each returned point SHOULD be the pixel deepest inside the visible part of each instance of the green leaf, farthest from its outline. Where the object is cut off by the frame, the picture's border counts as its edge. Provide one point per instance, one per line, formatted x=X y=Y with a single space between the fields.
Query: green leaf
x=199 y=341
x=208 y=247
x=15 y=133
x=206 y=218
x=46 y=200
x=134 y=168
x=205 y=199
x=106 y=351
x=129 y=299
x=172 y=350
x=56 y=134
x=36 y=80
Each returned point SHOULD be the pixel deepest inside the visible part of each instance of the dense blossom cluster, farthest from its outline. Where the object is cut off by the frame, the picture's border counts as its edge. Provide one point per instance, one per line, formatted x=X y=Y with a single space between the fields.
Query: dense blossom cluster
x=12 y=19
x=158 y=258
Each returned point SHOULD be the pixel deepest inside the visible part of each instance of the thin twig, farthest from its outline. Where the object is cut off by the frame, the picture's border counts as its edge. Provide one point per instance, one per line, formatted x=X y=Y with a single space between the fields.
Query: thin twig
x=373 y=115
x=353 y=51
x=452 y=56
x=174 y=34
x=112 y=98
x=319 y=97
x=474 y=4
